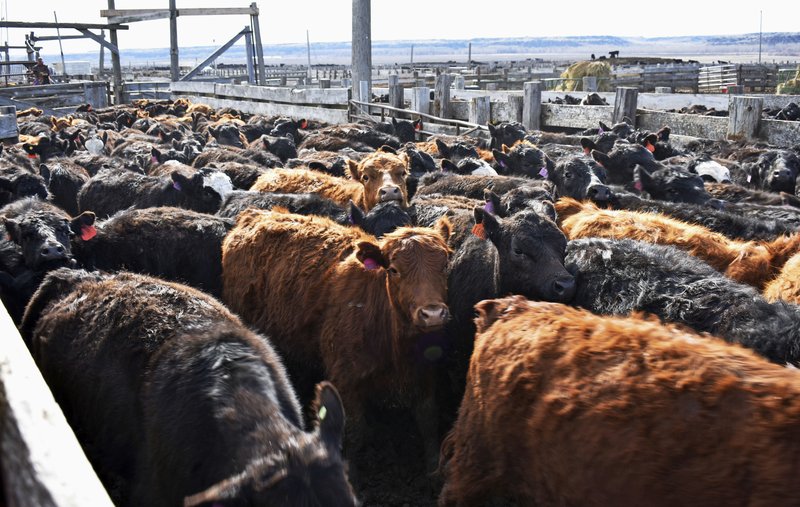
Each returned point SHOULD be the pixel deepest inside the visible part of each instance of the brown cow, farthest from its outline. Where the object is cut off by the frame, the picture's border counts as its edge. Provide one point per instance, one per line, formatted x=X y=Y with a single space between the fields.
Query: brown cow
x=786 y=285
x=335 y=298
x=750 y=262
x=378 y=177
x=564 y=407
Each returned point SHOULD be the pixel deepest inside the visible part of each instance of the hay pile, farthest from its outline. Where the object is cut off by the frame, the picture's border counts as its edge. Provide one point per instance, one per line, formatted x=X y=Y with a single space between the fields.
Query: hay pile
x=790 y=87
x=573 y=76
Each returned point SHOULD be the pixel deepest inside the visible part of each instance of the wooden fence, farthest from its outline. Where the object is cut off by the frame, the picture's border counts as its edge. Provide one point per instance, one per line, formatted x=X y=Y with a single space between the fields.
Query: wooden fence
x=153 y=90
x=42 y=462
x=57 y=97
x=753 y=77
x=326 y=105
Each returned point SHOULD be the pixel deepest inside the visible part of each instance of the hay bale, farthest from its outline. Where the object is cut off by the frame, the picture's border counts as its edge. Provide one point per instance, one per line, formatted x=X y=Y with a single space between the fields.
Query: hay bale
x=790 y=87
x=573 y=76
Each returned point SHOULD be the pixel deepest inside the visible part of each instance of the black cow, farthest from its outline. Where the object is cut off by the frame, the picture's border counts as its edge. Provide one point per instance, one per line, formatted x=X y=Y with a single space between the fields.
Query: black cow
x=64 y=179
x=171 y=396
x=621 y=276
x=775 y=170
x=112 y=190
x=473 y=186
x=676 y=185
x=17 y=182
x=523 y=159
x=620 y=162
x=227 y=134
x=580 y=178
x=506 y=133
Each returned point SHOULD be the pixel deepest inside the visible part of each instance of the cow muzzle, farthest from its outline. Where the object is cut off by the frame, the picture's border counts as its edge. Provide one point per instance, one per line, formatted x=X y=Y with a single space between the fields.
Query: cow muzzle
x=390 y=193
x=433 y=316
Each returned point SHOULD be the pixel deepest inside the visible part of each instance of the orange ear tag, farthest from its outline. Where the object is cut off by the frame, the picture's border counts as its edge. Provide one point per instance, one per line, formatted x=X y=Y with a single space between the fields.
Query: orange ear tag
x=650 y=147
x=479 y=231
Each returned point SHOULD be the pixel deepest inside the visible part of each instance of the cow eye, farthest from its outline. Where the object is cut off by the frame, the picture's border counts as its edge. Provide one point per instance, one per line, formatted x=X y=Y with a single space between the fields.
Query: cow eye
x=365 y=178
x=393 y=271
x=568 y=175
x=518 y=251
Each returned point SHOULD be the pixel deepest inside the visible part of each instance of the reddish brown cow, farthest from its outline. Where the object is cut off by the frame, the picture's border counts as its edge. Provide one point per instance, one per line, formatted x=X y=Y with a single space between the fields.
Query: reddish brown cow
x=786 y=285
x=750 y=262
x=379 y=177
x=335 y=297
x=564 y=407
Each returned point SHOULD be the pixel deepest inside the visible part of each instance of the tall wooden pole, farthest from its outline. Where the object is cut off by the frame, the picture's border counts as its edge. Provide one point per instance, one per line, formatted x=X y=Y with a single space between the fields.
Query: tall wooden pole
x=115 y=65
x=362 y=46
x=174 y=66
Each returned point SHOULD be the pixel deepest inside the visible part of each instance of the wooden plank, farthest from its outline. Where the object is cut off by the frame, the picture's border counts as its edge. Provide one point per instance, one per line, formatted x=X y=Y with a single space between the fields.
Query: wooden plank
x=743 y=118
x=328 y=96
x=192 y=87
x=88 y=26
x=480 y=110
x=42 y=462
x=516 y=107
x=328 y=115
x=441 y=96
x=581 y=117
x=707 y=127
x=625 y=105
x=532 y=105
x=421 y=99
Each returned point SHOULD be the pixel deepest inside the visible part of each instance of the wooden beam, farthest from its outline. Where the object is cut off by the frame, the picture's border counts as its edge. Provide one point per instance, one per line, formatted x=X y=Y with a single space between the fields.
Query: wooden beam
x=115 y=63
x=213 y=56
x=743 y=118
x=532 y=105
x=174 y=65
x=361 y=58
x=111 y=47
x=86 y=26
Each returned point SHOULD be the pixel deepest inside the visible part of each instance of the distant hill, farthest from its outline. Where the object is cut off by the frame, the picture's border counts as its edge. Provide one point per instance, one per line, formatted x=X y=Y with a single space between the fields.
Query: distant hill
x=780 y=46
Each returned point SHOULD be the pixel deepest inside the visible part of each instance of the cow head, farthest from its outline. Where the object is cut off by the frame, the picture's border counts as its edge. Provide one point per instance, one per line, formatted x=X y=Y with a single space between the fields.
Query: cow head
x=523 y=159
x=46 y=147
x=418 y=161
x=531 y=250
x=383 y=176
x=777 y=170
x=204 y=191
x=43 y=235
x=581 y=178
x=382 y=219
x=227 y=134
x=620 y=162
x=455 y=151
x=282 y=147
x=415 y=262
x=307 y=470
x=670 y=184
x=506 y=133
x=473 y=166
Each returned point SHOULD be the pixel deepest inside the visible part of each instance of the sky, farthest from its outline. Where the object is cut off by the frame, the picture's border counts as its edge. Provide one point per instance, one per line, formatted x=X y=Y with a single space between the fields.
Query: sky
x=286 y=21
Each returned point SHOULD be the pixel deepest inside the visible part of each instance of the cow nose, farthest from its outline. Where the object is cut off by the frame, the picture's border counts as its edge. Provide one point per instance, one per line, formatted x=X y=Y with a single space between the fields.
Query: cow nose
x=52 y=251
x=433 y=315
x=599 y=193
x=390 y=193
x=782 y=174
x=716 y=204
x=564 y=288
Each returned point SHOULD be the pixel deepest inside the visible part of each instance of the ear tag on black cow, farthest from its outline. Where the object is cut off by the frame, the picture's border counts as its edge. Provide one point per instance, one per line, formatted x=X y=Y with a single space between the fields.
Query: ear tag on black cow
x=543 y=172
x=638 y=185
x=650 y=147
x=749 y=177
x=587 y=151
x=599 y=131
x=489 y=207
x=88 y=232
x=303 y=124
x=153 y=159
x=31 y=155
x=371 y=264
x=418 y=126
x=479 y=231
x=322 y=413
x=176 y=186
x=502 y=164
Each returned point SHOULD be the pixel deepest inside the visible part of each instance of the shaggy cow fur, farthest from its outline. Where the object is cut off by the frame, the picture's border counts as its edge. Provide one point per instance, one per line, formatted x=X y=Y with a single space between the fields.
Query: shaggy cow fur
x=563 y=407
x=785 y=286
x=170 y=394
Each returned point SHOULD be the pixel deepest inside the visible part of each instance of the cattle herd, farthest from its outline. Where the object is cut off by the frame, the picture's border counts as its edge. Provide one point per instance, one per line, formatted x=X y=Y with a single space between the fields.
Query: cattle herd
x=234 y=309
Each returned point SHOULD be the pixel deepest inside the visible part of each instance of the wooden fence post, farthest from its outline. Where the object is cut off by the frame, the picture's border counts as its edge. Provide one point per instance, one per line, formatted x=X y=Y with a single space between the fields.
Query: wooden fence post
x=516 y=104
x=743 y=117
x=459 y=82
x=625 y=105
x=421 y=99
x=364 y=93
x=396 y=98
x=589 y=84
x=441 y=96
x=663 y=89
x=324 y=83
x=480 y=110
x=532 y=105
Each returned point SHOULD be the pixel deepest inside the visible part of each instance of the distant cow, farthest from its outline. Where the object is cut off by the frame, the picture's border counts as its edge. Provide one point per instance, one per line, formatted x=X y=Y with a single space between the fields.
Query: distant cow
x=190 y=398
x=676 y=185
x=335 y=299
x=112 y=190
x=473 y=186
x=747 y=262
x=378 y=177
x=620 y=162
x=523 y=159
x=622 y=276
x=64 y=180
x=564 y=407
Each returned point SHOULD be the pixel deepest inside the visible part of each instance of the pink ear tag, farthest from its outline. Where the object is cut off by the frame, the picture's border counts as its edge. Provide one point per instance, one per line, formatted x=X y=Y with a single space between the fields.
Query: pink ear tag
x=543 y=172
x=489 y=207
x=502 y=164
x=88 y=232
x=176 y=186
x=638 y=185
x=153 y=159
x=599 y=131
x=371 y=264
x=587 y=151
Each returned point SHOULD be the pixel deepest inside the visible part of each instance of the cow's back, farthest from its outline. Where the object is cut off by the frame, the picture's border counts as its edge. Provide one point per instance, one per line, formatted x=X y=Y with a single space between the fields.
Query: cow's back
x=275 y=266
x=293 y=181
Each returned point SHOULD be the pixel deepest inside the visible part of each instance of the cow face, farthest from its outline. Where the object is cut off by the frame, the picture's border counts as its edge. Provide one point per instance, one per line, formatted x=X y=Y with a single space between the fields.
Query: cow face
x=46 y=148
x=524 y=159
x=44 y=236
x=227 y=134
x=19 y=183
x=282 y=147
x=415 y=261
x=405 y=130
x=456 y=151
x=506 y=133
x=306 y=469
x=620 y=162
x=419 y=161
x=383 y=176
x=473 y=166
x=581 y=178
x=530 y=250
x=778 y=170
x=526 y=197
x=205 y=190
x=671 y=184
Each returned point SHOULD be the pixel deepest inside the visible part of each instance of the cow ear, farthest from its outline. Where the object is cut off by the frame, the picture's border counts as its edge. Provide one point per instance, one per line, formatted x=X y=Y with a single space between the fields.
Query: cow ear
x=180 y=182
x=444 y=227
x=387 y=149
x=29 y=148
x=318 y=166
x=444 y=150
x=642 y=179
x=12 y=227
x=449 y=166
x=394 y=122
x=490 y=310
x=418 y=124
x=605 y=127
x=492 y=203
x=330 y=416
x=601 y=158
x=663 y=133
x=104 y=137
x=505 y=149
x=83 y=225
x=370 y=255
x=265 y=142
x=44 y=172
x=156 y=154
x=352 y=165
x=588 y=145
x=649 y=142
x=406 y=162
x=492 y=130
x=486 y=225
x=354 y=214
x=503 y=160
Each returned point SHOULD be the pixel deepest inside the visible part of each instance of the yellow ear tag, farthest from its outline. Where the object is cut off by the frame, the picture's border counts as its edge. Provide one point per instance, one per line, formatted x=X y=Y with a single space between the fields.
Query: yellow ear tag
x=322 y=413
